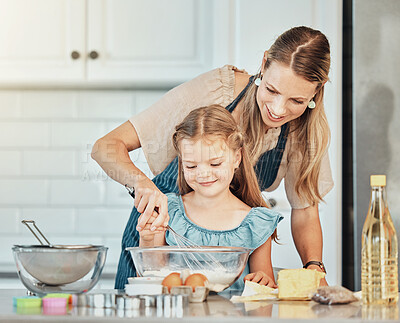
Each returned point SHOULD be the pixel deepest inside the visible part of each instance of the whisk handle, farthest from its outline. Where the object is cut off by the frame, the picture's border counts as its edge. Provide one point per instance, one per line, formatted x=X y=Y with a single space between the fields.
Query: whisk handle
x=130 y=190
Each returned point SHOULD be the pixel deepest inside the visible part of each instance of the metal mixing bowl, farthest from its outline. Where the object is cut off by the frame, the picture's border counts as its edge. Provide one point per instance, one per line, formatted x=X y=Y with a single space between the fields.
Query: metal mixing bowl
x=221 y=265
x=45 y=269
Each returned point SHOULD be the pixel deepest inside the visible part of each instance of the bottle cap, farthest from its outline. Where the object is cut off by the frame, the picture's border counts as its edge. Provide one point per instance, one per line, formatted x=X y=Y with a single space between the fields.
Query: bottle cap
x=378 y=180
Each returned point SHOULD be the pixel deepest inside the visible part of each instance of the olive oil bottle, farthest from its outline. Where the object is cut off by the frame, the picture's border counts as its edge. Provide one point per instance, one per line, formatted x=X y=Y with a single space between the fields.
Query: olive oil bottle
x=379 y=281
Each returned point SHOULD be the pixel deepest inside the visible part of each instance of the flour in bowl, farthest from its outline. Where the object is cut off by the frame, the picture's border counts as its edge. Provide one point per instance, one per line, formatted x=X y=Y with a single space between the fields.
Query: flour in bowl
x=218 y=280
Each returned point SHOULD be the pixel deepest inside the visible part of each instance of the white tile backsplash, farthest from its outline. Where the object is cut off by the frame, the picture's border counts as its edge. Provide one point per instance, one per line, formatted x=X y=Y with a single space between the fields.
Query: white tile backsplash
x=75 y=134
x=9 y=104
x=110 y=105
x=76 y=192
x=116 y=194
x=24 y=134
x=23 y=191
x=114 y=245
x=48 y=163
x=103 y=221
x=10 y=163
x=49 y=220
x=47 y=174
x=48 y=104
x=9 y=220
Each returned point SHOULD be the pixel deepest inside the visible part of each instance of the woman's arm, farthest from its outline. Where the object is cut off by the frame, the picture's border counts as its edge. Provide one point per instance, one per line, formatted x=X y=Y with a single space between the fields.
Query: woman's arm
x=111 y=152
x=307 y=235
x=261 y=266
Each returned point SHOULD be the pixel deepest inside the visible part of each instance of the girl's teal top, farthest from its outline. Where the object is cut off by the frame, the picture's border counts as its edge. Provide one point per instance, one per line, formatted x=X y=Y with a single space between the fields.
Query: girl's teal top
x=252 y=232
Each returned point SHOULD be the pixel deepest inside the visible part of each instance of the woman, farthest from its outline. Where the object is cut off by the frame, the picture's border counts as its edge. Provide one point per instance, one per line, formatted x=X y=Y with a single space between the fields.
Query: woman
x=280 y=110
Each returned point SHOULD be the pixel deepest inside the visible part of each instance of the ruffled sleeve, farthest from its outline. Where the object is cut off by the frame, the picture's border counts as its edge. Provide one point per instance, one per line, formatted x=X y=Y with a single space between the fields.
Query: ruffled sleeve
x=258 y=226
x=253 y=231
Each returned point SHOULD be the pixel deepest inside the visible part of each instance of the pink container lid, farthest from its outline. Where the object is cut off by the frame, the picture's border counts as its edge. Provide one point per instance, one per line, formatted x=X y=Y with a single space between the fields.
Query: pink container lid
x=54 y=302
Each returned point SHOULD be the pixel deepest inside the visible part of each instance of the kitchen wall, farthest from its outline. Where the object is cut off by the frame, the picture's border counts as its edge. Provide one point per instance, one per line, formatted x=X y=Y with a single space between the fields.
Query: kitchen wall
x=47 y=174
x=50 y=118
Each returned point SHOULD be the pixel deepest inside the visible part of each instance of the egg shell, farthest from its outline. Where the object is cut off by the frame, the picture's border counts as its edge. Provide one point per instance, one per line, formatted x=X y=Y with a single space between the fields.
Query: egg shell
x=173 y=279
x=196 y=280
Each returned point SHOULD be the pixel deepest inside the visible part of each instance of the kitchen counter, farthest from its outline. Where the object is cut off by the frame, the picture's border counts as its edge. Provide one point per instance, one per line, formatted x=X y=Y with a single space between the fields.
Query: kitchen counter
x=217 y=308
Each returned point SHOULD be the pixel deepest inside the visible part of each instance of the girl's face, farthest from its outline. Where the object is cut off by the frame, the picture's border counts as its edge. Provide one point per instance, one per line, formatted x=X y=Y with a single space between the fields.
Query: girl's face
x=208 y=165
x=282 y=95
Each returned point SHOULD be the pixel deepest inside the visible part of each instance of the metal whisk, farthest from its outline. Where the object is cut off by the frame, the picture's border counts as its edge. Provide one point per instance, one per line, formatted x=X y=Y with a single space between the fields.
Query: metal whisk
x=198 y=261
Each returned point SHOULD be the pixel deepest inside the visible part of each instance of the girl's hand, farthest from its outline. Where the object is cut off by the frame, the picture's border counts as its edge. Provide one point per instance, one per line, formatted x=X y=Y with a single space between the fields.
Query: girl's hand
x=261 y=278
x=147 y=199
x=147 y=235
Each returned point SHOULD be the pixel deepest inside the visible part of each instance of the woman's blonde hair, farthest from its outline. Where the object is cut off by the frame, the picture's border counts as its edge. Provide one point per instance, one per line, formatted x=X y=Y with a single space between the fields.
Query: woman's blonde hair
x=306 y=51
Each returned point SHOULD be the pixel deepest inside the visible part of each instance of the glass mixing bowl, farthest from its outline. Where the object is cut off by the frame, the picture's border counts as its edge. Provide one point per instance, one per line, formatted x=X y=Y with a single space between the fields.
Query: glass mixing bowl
x=44 y=269
x=221 y=265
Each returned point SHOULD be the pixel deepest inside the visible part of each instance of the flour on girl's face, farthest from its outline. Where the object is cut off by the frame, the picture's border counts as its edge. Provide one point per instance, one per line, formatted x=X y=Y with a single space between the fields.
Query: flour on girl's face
x=208 y=165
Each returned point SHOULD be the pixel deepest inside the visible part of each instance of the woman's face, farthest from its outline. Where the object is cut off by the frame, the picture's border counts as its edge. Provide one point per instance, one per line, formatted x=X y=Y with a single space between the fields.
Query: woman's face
x=282 y=95
x=208 y=165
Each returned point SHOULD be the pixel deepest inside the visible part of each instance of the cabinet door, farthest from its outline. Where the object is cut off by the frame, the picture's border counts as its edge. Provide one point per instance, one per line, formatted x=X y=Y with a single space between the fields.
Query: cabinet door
x=154 y=42
x=37 y=39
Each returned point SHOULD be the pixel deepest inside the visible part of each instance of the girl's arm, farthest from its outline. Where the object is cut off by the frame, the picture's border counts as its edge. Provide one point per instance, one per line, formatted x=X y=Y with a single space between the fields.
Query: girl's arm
x=261 y=266
x=111 y=152
x=150 y=238
x=307 y=235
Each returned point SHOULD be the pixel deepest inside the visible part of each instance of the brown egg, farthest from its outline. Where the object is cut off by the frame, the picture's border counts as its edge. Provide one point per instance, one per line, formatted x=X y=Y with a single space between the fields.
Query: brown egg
x=195 y=280
x=173 y=279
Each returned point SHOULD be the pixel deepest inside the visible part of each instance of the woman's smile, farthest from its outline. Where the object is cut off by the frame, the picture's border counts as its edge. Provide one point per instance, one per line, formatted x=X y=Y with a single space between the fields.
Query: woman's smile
x=272 y=116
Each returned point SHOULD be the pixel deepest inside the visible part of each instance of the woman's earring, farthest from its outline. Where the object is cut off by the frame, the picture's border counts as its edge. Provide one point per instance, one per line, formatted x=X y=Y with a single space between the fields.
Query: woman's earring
x=311 y=104
x=257 y=81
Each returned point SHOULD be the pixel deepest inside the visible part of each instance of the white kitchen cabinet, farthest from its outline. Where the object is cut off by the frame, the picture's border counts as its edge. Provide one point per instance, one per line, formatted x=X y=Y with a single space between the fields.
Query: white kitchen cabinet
x=152 y=42
x=37 y=38
x=149 y=41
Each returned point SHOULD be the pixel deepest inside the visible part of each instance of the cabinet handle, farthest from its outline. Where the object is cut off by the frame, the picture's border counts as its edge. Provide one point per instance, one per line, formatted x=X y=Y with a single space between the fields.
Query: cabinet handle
x=93 y=54
x=75 y=55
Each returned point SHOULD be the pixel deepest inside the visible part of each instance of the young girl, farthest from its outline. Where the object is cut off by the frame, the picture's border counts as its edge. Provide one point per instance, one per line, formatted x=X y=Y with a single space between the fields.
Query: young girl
x=220 y=203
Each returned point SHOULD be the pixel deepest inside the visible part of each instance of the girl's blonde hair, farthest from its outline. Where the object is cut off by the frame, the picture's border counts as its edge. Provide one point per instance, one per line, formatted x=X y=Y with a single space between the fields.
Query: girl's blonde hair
x=306 y=51
x=211 y=123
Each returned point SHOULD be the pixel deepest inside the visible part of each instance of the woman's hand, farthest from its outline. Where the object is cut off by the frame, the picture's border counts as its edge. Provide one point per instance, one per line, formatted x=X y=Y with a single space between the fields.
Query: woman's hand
x=148 y=198
x=323 y=281
x=261 y=278
x=112 y=153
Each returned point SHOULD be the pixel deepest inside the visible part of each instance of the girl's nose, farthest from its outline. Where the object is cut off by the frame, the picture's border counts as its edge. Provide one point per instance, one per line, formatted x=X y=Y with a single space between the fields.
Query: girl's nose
x=203 y=172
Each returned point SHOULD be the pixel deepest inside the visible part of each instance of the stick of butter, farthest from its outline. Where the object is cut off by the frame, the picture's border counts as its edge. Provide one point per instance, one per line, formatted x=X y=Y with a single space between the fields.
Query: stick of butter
x=298 y=284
